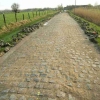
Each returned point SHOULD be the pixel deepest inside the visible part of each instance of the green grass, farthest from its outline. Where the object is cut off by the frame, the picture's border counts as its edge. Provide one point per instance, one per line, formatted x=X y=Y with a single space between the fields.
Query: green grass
x=98 y=39
x=90 y=14
x=10 y=17
x=7 y=37
x=91 y=25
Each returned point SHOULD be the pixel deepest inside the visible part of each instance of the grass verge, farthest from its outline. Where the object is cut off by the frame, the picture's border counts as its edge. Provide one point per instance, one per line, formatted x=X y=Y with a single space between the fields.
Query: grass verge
x=7 y=36
x=91 y=25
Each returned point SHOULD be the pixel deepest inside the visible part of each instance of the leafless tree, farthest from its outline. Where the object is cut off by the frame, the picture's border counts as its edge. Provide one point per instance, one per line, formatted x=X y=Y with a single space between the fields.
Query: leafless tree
x=15 y=8
x=60 y=7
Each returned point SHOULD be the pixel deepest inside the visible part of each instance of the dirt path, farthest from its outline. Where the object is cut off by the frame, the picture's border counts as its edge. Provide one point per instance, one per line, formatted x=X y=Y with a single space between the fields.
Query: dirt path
x=56 y=62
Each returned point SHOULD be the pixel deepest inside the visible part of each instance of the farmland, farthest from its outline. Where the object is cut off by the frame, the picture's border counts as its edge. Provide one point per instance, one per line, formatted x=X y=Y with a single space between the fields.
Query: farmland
x=90 y=14
x=12 y=32
x=28 y=18
x=10 y=17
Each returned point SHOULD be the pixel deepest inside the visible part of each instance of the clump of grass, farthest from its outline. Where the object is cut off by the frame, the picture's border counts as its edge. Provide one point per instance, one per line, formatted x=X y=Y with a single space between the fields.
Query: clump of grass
x=6 y=37
x=91 y=25
x=90 y=14
x=12 y=26
x=98 y=40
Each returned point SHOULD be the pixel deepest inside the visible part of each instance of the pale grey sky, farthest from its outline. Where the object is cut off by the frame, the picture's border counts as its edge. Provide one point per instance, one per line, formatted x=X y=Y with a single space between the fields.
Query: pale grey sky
x=24 y=4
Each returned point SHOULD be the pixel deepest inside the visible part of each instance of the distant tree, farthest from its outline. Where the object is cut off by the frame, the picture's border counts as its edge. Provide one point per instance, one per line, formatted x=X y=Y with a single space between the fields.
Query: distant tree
x=70 y=7
x=90 y=6
x=96 y=4
x=60 y=7
x=15 y=8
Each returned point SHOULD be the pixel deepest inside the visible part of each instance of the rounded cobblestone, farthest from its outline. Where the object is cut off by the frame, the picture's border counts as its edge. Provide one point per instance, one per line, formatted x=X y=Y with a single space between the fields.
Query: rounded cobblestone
x=56 y=62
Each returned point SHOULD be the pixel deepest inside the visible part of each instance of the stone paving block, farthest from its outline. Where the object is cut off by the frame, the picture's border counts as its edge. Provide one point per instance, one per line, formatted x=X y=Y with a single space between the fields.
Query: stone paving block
x=60 y=94
x=4 y=97
x=22 y=85
x=13 y=97
x=21 y=90
x=71 y=97
x=22 y=98
x=13 y=90
x=55 y=62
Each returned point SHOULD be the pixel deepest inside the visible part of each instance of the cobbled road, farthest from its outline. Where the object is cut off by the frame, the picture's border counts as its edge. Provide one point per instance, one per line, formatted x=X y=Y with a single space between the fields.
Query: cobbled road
x=56 y=62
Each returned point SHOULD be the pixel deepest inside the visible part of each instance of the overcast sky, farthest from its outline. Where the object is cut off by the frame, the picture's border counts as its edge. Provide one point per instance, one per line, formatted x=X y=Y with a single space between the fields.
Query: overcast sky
x=24 y=4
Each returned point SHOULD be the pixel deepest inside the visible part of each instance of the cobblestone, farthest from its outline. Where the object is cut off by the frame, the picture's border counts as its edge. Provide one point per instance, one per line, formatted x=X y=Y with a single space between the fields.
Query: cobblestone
x=60 y=94
x=12 y=90
x=56 y=62
x=71 y=97
x=13 y=97
x=21 y=91
x=22 y=98
x=89 y=87
x=22 y=85
x=36 y=79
